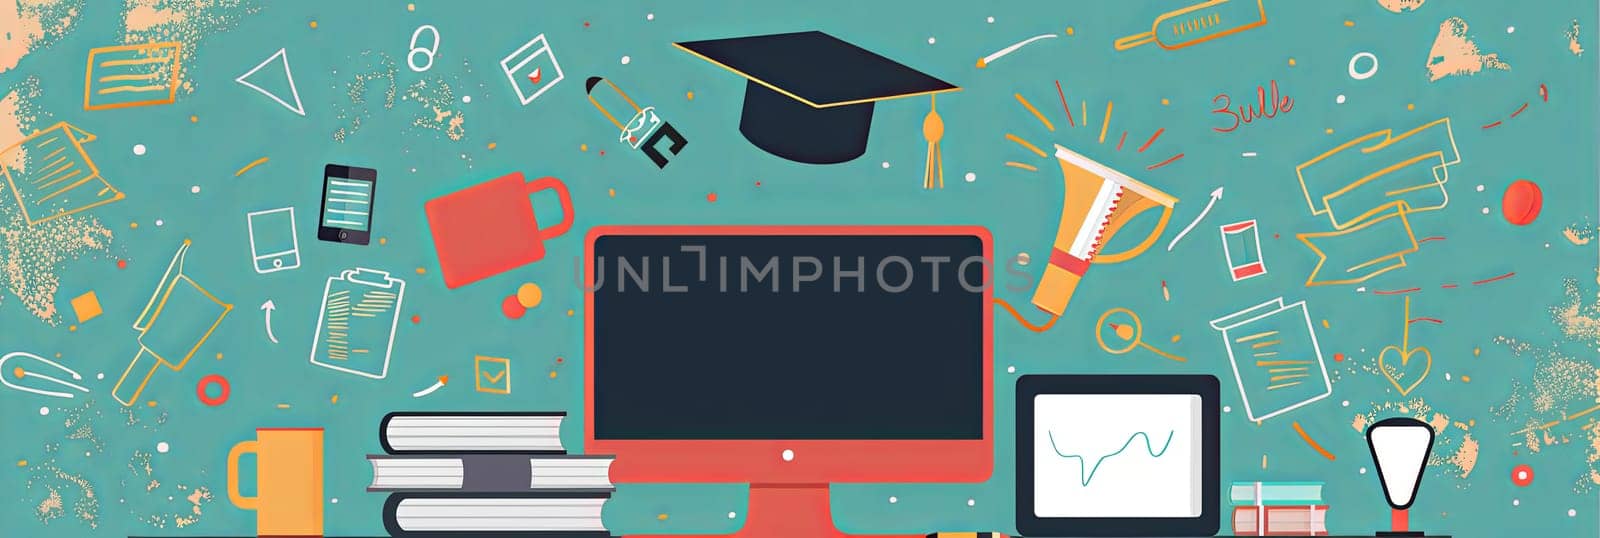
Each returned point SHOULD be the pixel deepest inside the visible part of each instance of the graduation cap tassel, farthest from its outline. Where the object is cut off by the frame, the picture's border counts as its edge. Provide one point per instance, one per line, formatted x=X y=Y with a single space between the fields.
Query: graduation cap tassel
x=933 y=131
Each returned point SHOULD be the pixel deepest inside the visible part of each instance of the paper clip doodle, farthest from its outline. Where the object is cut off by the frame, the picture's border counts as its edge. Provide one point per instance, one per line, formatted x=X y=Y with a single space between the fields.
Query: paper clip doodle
x=1199 y=23
x=23 y=373
x=51 y=176
x=177 y=320
x=644 y=130
x=1369 y=174
x=1275 y=357
x=429 y=52
x=132 y=75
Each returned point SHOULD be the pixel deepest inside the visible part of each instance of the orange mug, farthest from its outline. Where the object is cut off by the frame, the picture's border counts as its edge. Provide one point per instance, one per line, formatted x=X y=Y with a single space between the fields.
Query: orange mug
x=288 y=499
x=489 y=228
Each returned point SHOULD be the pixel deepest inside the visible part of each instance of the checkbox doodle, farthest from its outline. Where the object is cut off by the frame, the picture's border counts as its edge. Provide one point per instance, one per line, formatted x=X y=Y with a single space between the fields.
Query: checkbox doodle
x=493 y=374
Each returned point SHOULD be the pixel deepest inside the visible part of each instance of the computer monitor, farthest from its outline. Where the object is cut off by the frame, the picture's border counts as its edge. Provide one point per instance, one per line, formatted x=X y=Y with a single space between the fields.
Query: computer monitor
x=789 y=358
x=1117 y=455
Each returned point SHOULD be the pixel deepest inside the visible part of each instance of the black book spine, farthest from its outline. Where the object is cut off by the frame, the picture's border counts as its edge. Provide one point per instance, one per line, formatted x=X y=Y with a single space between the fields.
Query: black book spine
x=391 y=522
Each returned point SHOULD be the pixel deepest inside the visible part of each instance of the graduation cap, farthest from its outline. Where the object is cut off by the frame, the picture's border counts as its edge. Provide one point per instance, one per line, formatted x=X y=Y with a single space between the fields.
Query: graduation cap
x=810 y=95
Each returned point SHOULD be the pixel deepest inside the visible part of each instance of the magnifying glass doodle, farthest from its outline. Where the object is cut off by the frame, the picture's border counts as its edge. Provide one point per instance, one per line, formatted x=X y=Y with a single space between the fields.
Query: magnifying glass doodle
x=1133 y=333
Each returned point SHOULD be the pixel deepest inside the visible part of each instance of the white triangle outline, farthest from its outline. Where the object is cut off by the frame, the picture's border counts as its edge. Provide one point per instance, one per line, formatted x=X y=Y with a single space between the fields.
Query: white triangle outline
x=297 y=108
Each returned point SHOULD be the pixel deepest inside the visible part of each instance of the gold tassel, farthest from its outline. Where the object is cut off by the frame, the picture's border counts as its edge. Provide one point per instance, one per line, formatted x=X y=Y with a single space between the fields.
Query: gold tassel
x=933 y=131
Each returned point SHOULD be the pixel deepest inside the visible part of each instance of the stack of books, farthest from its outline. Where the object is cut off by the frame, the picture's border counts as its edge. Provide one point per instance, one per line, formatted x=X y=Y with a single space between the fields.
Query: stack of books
x=1278 y=509
x=487 y=474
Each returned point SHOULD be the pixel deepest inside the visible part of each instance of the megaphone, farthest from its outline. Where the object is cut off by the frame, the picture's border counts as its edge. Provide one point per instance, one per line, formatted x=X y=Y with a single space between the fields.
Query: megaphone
x=1098 y=201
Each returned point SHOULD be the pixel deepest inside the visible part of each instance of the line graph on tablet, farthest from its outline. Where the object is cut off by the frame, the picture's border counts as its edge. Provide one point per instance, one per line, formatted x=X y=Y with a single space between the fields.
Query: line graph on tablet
x=1086 y=474
x=1116 y=455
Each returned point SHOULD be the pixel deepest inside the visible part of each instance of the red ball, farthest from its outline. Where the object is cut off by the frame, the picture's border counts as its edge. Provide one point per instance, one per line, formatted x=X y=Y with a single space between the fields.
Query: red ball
x=511 y=308
x=1521 y=202
x=1522 y=475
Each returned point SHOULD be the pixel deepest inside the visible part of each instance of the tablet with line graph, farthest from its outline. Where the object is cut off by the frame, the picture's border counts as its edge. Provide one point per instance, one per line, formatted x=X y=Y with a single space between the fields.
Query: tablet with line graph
x=1132 y=455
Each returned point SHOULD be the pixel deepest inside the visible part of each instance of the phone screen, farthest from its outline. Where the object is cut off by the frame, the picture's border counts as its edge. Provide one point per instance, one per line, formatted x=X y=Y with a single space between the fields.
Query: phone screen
x=347 y=204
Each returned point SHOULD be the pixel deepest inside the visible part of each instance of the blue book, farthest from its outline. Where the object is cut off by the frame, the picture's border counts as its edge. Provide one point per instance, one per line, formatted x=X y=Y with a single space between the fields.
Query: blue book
x=1275 y=493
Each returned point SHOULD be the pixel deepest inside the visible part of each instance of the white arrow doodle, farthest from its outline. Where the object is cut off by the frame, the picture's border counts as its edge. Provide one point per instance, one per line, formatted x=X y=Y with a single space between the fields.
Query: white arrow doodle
x=268 y=306
x=1215 y=195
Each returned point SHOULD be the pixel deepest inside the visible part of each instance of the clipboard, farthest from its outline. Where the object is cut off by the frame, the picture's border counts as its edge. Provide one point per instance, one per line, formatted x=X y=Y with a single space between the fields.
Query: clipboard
x=355 y=329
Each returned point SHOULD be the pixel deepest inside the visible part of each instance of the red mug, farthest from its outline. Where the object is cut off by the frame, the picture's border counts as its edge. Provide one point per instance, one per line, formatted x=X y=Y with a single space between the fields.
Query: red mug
x=489 y=228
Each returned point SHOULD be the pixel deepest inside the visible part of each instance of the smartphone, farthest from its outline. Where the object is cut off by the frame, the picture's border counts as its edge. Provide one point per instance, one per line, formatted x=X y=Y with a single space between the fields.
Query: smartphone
x=273 y=244
x=347 y=197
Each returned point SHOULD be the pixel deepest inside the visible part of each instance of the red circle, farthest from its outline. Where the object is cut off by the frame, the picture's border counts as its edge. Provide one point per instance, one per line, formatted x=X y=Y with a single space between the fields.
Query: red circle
x=711 y=197
x=1522 y=475
x=416 y=318
x=213 y=379
x=1521 y=202
x=122 y=264
x=511 y=308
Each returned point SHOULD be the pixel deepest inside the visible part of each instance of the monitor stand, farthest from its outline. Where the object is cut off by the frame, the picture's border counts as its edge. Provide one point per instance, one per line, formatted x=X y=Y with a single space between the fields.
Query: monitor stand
x=782 y=510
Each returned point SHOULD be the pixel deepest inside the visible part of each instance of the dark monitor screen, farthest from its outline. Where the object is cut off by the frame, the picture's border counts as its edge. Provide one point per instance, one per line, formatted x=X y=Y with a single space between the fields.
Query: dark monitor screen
x=788 y=337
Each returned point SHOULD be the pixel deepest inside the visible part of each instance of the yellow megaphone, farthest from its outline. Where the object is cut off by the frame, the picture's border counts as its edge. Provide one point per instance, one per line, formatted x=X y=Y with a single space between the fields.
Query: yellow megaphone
x=1098 y=201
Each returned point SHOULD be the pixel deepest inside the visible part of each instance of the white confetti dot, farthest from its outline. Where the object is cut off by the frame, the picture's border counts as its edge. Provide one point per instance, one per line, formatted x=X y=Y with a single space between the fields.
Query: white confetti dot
x=732 y=515
x=44 y=411
x=138 y=149
x=1516 y=502
x=930 y=41
x=885 y=164
x=626 y=60
x=1547 y=245
x=651 y=17
x=893 y=500
x=1511 y=29
x=1346 y=403
x=1480 y=188
x=163 y=447
x=991 y=20
x=1363 y=470
x=1339 y=99
x=1447 y=376
x=1227 y=409
x=195 y=189
x=85 y=453
x=101 y=375
x=160 y=222
x=971 y=177
x=972 y=502
x=334 y=500
x=1486 y=211
x=1011 y=369
x=1572 y=512
x=466 y=98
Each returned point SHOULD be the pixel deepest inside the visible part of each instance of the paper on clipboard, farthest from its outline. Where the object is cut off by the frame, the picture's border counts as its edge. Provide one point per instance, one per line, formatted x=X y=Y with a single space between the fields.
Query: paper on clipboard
x=355 y=330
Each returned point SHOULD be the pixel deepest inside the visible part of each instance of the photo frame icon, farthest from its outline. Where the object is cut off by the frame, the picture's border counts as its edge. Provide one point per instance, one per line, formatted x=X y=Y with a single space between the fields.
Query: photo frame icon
x=525 y=69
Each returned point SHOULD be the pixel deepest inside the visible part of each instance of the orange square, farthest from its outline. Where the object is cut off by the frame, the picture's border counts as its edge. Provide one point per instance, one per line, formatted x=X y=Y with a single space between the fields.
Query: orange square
x=86 y=306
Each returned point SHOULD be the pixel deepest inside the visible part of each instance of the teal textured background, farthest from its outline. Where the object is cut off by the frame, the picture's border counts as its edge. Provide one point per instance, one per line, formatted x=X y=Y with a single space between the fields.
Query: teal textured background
x=1551 y=143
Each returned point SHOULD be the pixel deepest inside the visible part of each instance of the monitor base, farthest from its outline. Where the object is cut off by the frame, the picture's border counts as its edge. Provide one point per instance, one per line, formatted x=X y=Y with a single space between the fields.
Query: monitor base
x=787 y=510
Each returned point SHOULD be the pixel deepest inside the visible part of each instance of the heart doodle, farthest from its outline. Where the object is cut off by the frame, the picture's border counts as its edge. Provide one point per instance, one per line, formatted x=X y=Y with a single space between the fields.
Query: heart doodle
x=1405 y=368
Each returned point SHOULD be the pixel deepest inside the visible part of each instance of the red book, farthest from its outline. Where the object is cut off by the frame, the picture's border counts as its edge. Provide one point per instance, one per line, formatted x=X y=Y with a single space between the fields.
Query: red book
x=1280 y=520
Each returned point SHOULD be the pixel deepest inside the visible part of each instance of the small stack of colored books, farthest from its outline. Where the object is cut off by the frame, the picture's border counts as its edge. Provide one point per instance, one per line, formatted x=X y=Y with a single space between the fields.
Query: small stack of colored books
x=1278 y=509
x=487 y=474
